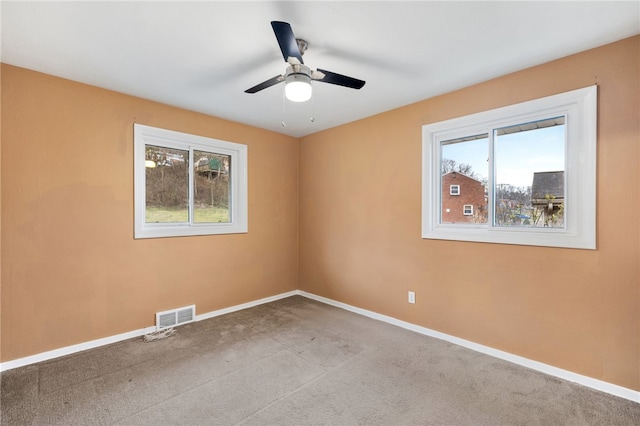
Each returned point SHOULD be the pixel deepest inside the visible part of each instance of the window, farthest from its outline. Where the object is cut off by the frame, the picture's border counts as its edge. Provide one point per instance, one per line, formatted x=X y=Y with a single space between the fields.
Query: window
x=528 y=169
x=188 y=185
x=454 y=189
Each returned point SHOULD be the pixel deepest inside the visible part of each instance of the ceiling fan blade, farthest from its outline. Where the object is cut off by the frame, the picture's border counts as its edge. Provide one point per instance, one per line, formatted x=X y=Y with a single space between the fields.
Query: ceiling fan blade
x=271 y=82
x=339 y=79
x=286 y=40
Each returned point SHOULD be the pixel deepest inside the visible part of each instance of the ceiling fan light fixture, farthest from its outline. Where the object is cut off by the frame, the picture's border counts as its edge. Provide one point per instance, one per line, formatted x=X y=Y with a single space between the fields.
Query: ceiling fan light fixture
x=298 y=87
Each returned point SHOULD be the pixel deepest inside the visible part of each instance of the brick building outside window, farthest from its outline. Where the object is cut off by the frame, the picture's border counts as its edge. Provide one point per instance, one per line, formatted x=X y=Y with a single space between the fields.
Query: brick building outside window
x=463 y=199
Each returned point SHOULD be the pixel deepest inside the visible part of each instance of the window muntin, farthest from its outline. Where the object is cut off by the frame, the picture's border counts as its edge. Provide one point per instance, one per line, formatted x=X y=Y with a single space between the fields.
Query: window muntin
x=576 y=229
x=173 y=198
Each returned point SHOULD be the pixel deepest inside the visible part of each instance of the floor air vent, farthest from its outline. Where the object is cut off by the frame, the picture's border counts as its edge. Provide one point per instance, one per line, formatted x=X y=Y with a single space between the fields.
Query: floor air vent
x=175 y=317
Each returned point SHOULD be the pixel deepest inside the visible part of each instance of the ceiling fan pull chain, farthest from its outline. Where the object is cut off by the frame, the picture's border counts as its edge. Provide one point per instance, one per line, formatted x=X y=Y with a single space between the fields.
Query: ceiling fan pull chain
x=284 y=114
x=313 y=110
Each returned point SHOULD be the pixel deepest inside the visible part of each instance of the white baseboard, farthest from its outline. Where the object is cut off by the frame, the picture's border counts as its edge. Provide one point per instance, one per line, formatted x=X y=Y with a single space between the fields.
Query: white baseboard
x=68 y=350
x=525 y=362
x=590 y=382
x=246 y=305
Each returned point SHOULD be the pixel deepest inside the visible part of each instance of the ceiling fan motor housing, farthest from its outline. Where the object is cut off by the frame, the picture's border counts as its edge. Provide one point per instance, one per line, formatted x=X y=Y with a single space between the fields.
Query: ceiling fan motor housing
x=298 y=72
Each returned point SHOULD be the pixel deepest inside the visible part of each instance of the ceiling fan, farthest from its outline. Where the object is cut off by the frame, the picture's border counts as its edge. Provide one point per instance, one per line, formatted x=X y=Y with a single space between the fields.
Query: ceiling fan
x=298 y=76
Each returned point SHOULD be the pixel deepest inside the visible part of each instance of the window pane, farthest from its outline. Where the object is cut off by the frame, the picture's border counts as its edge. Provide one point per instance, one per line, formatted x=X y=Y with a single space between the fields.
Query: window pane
x=167 y=185
x=212 y=187
x=464 y=177
x=529 y=174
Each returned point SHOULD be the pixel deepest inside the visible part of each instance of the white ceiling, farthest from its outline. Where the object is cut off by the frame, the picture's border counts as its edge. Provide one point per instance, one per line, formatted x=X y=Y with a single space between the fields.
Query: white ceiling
x=203 y=55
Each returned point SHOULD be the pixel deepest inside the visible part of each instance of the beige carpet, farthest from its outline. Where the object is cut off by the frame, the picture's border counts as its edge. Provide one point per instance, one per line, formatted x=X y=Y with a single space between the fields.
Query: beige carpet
x=296 y=362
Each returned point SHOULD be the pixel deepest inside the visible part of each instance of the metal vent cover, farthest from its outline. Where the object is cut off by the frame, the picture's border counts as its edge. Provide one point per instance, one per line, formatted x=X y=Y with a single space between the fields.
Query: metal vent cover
x=175 y=317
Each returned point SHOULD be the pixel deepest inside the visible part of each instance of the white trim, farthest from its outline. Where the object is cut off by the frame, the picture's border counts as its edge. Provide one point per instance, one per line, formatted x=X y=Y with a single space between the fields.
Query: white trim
x=589 y=382
x=246 y=305
x=68 y=350
x=580 y=107
x=147 y=135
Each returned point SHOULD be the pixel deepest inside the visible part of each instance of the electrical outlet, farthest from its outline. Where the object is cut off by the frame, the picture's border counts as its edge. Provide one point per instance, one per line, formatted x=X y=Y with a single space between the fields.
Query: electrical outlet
x=412 y=297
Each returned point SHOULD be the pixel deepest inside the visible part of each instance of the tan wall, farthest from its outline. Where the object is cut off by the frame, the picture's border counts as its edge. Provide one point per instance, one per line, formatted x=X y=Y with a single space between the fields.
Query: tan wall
x=574 y=309
x=0 y=215
x=71 y=270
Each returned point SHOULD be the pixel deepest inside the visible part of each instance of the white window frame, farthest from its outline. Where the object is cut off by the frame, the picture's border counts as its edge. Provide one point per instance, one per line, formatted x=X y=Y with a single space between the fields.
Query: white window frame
x=580 y=109
x=454 y=192
x=470 y=208
x=147 y=135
